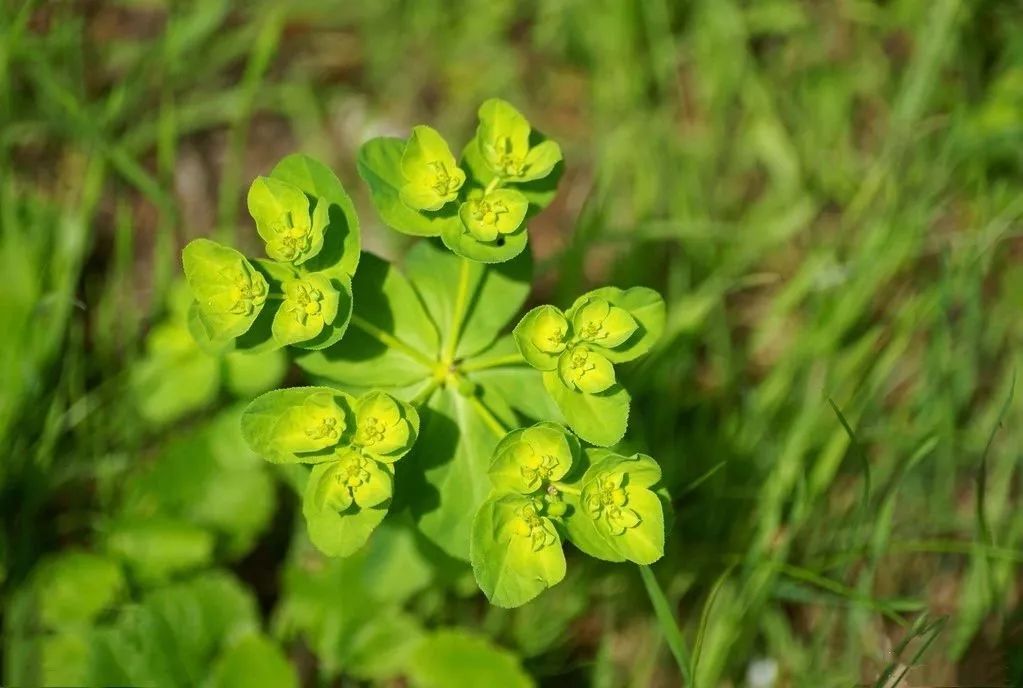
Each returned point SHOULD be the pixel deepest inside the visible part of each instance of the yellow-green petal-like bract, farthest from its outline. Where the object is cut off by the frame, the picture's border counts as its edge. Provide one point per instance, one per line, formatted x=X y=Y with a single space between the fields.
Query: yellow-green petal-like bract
x=503 y=141
x=229 y=292
x=310 y=304
x=598 y=322
x=432 y=176
x=381 y=428
x=281 y=212
x=585 y=370
x=488 y=216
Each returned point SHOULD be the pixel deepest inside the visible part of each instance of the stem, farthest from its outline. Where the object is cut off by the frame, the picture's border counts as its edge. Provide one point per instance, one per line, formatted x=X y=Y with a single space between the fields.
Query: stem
x=392 y=341
x=494 y=183
x=461 y=307
x=488 y=417
x=666 y=620
x=493 y=362
x=425 y=393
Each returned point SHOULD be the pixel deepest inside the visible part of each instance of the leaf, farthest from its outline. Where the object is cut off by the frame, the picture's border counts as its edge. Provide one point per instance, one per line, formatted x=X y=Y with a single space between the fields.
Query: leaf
x=175 y=377
x=453 y=658
x=74 y=587
x=341 y=243
x=298 y=425
x=252 y=661
x=444 y=478
x=496 y=293
x=229 y=291
x=519 y=385
x=384 y=303
x=379 y=165
x=599 y=419
x=157 y=548
x=247 y=374
x=505 y=247
x=337 y=534
x=646 y=307
x=512 y=566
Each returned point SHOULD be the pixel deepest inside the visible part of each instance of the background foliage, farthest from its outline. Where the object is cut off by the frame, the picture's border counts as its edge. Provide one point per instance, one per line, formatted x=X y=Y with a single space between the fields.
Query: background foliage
x=828 y=195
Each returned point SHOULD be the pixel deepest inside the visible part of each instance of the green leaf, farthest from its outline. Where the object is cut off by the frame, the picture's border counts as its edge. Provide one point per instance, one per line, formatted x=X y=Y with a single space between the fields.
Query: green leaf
x=341 y=241
x=157 y=548
x=645 y=306
x=248 y=374
x=454 y=658
x=528 y=459
x=74 y=587
x=298 y=425
x=542 y=336
x=281 y=212
x=379 y=165
x=599 y=419
x=252 y=661
x=516 y=552
x=444 y=479
x=337 y=533
x=487 y=216
x=384 y=303
x=432 y=177
x=504 y=247
x=496 y=293
x=229 y=291
x=175 y=377
x=516 y=383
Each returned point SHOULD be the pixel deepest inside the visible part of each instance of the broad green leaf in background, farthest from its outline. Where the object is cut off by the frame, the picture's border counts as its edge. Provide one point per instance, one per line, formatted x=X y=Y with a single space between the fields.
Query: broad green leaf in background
x=248 y=374
x=175 y=377
x=76 y=586
x=229 y=291
x=599 y=419
x=157 y=548
x=379 y=165
x=341 y=240
x=496 y=293
x=252 y=661
x=515 y=550
x=453 y=658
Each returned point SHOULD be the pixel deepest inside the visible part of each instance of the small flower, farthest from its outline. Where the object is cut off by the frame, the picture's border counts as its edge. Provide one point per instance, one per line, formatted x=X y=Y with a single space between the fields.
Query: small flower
x=432 y=177
x=310 y=304
x=248 y=290
x=530 y=524
x=550 y=331
x=606 y=498
x=585 y=370
x=487 y=216
x=531 y=459
x=354 y=478
x=281 y=212
x=598 y=322
x=503 y=140
x=381 y=428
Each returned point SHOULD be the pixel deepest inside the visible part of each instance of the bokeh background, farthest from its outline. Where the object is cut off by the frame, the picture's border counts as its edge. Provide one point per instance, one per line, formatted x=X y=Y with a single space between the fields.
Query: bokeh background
x=828 y=193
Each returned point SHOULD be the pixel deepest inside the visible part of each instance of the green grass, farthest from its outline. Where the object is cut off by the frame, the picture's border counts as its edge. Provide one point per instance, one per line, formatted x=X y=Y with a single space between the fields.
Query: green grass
x=826 y=193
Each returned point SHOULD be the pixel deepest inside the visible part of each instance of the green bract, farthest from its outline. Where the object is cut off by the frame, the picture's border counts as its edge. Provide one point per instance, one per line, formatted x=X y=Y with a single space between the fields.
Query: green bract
x=353 y=441
x=432 y=178
x=576 y=349
x=617 y=516
x=229 y=291
x=281 y=212
x=503 y=141
x=388 y=346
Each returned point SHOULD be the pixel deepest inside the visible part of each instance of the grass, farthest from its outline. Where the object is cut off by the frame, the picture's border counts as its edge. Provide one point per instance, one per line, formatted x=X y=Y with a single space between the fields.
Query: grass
x=827 y=194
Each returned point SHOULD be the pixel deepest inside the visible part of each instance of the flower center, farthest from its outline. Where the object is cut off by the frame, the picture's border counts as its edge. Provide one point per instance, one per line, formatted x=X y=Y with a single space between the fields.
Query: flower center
x=443 y=182
x=247 y=293
x=351 y=473
x=487 y=212
x=510 y=165
x=326 y=428
x=371 y=431
x=580 y=362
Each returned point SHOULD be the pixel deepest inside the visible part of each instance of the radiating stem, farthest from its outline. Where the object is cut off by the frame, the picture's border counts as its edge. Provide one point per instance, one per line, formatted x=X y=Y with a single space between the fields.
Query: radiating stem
x=493 y=362
x=392 y=341
x=488 y=417
x=461 y=308
x=425 y=393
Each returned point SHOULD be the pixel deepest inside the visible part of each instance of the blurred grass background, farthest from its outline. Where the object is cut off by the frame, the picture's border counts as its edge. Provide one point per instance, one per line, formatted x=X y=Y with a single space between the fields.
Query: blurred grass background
x=827 y=193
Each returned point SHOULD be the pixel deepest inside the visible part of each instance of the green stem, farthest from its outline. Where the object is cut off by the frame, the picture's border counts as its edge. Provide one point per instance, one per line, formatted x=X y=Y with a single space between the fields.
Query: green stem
x=392 y=341
x=488 y=417
x=494 y=183
x=425 y=393
x=493 y=362
x=461 y=307
x=666 y=620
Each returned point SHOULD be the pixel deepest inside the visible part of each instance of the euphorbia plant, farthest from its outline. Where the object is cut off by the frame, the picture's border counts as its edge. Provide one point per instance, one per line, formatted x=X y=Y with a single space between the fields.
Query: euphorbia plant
x=419 y=361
